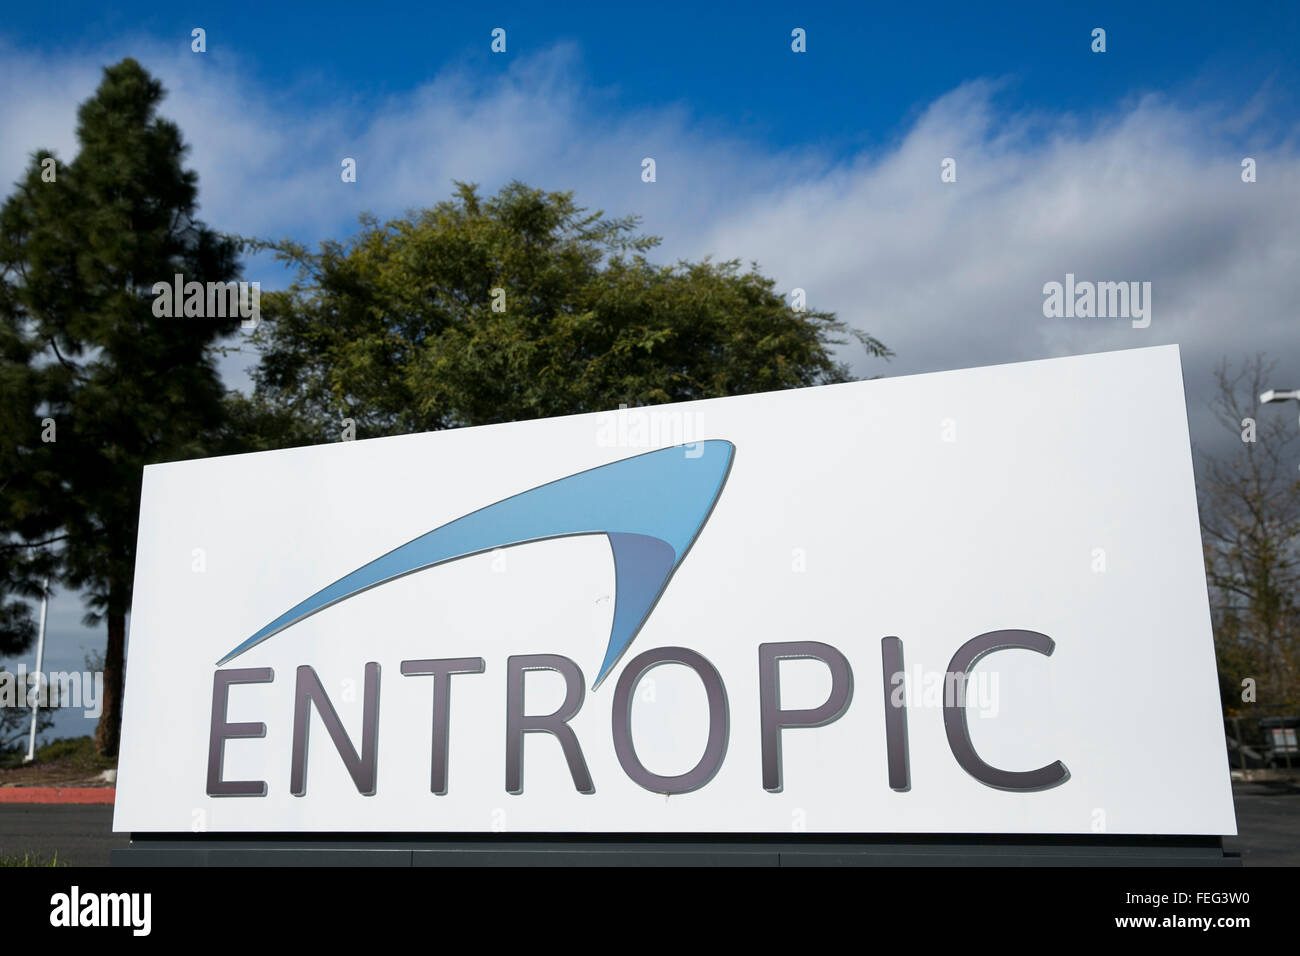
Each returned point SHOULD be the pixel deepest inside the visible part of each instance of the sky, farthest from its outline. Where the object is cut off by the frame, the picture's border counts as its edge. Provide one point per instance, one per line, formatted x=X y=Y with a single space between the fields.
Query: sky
x=823 y=167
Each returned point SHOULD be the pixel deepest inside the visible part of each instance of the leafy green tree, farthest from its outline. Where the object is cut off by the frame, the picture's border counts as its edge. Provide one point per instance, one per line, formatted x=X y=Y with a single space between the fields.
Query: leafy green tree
x=521 y=306
x=251 y=423
x=79 y=255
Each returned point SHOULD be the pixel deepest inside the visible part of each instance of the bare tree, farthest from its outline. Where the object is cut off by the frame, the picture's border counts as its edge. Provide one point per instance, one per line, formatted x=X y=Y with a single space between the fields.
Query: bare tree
x=1250 y=523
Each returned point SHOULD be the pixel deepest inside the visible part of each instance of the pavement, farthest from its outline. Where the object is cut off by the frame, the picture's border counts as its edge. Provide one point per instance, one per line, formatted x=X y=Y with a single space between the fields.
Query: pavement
x=1268 y=821
x=1268 y=824
x=80 y=833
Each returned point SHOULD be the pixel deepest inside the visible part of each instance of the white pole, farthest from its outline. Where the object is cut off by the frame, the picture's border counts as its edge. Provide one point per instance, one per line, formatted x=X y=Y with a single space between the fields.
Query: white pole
x=40 y=664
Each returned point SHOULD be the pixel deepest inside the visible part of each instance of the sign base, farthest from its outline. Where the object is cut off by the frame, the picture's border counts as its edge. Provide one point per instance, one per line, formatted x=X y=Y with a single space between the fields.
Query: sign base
x=669 y=850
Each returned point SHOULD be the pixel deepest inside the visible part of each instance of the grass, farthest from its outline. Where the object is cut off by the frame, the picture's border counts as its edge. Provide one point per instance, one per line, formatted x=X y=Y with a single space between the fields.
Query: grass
x=76 y=749
x=30 y=859
x=57 y=762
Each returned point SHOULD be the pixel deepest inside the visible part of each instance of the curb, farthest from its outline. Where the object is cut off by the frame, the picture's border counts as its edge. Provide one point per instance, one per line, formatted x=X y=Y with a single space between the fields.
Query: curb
x=57 y=794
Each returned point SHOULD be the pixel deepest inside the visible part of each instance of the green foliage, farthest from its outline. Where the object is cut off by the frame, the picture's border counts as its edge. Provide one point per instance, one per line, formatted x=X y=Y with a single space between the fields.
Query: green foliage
x=17 y=625
x=78 y=260
x=26 y=478
x=251 y=423
x=76 y=754
x=76 y=749
x=30 y=859
x=396 y=328
x=16 y=728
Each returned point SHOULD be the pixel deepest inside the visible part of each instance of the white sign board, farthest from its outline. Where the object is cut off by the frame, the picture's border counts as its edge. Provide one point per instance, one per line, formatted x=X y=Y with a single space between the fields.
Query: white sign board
x=971 y=601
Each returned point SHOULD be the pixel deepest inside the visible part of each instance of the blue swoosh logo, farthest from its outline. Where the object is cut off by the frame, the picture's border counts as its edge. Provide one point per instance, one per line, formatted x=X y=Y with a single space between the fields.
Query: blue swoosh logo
x=651 y=507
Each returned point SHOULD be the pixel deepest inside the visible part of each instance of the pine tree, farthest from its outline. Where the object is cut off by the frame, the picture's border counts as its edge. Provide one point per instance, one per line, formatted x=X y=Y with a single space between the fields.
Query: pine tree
x=26 y=520
x=80 y=251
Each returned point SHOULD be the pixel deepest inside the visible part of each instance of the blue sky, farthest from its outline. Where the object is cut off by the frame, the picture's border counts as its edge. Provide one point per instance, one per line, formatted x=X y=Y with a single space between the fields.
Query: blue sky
x=823 y=167
x=867 y=70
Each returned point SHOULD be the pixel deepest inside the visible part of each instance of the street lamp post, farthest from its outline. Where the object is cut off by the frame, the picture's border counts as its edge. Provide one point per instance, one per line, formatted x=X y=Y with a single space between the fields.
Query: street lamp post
x=1280 y=395
x=40 y=667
